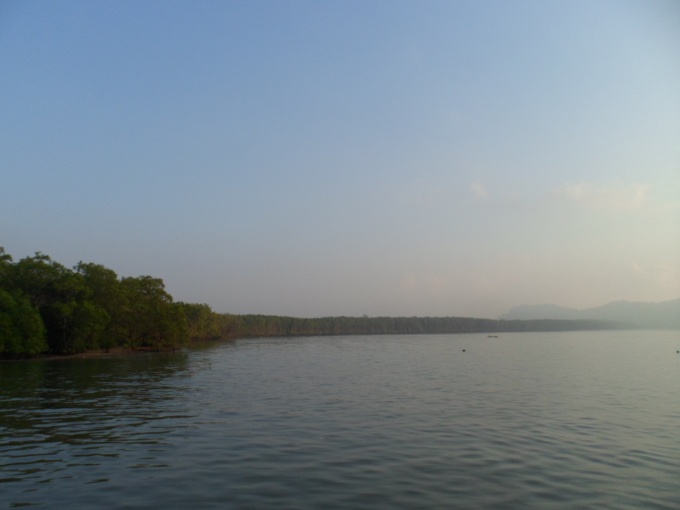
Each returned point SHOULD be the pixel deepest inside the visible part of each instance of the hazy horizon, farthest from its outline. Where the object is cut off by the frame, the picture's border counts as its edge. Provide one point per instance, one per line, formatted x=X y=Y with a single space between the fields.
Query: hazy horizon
x=346 y=158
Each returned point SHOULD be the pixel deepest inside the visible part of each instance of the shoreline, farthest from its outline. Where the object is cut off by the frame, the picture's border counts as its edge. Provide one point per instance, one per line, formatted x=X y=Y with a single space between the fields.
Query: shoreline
x=115 y=352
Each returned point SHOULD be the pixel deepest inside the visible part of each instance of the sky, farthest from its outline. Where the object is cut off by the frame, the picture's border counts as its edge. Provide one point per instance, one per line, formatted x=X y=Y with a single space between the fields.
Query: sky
x=384 y=157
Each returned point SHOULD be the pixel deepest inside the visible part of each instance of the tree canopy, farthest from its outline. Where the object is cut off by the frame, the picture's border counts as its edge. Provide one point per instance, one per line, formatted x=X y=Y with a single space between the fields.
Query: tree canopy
x=47 y=307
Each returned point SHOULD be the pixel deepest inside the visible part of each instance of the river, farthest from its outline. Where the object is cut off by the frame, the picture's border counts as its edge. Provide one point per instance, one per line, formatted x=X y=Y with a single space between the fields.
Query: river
x=539 y=420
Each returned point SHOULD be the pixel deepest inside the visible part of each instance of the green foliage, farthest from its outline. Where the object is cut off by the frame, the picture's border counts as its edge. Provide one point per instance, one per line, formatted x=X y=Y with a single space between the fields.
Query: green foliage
x=44 y=306
x=202 y=322
x=22 y=331
x=108 y=294
x=61 y=296
x=152 y=319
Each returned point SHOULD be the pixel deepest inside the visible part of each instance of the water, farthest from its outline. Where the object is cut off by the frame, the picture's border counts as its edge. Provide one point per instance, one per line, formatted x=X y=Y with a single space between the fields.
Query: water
x=562 y=420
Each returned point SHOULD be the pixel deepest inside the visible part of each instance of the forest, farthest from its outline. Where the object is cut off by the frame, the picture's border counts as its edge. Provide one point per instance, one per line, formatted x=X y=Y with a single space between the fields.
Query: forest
x=46 y=307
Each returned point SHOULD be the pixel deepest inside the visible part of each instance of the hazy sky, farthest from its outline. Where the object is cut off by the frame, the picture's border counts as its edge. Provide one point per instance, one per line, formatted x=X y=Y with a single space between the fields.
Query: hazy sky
x=354 y=157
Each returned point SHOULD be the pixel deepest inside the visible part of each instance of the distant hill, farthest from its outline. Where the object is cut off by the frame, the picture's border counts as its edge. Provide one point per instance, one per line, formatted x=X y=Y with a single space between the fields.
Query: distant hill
x=665 y=315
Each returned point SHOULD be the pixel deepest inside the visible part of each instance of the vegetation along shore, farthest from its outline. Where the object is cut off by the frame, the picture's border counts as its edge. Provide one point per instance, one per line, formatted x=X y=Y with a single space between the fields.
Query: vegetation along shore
x=48 y=308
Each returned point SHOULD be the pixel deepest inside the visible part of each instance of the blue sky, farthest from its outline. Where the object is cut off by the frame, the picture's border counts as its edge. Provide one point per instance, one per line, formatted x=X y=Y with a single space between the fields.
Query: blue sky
x=349 y=157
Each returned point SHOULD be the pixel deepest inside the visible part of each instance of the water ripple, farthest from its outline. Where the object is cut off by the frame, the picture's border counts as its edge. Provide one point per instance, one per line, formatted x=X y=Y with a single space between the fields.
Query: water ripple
x=385 y=422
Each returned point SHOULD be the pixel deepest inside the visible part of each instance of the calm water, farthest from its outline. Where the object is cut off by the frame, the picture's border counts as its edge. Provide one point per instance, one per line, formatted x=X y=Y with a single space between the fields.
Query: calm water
x=563 y=420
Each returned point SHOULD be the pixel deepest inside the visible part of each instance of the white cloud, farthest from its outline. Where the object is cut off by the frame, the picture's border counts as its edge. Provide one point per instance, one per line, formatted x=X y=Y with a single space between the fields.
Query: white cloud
x=479 y=190
x=611 y=197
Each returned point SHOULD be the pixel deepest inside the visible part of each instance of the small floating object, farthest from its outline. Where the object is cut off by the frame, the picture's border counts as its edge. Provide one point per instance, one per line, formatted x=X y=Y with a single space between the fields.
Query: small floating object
x=463 y=350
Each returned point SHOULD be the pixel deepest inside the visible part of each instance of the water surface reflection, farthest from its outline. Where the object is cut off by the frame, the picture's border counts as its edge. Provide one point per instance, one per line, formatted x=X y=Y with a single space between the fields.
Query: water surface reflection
x=67 y=419
x=568 y=420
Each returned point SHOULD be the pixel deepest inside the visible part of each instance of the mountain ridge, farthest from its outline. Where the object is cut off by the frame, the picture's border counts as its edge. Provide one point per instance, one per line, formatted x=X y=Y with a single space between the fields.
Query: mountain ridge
x=643 y=314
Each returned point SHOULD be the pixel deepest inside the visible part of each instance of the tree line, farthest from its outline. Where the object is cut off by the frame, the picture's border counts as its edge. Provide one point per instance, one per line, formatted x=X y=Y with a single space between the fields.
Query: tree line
x=46 y=307
x=245 y=326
